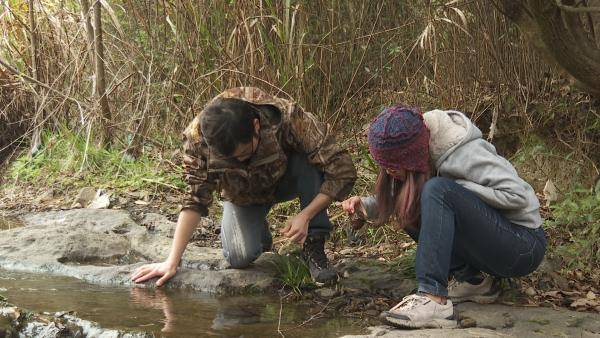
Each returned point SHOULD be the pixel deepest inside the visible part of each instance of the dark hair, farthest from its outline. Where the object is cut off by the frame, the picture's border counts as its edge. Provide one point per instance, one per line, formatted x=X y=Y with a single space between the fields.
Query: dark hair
x=400 y=200
x=227 y=123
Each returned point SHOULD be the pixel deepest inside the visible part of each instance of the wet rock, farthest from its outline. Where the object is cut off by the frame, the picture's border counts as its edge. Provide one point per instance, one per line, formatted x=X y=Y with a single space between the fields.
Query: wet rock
x=15 y=322
x=105 y=246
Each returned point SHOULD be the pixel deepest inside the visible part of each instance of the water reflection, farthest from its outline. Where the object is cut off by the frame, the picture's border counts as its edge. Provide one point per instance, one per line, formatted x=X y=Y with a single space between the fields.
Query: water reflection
x=158 y=300
x=167 y=312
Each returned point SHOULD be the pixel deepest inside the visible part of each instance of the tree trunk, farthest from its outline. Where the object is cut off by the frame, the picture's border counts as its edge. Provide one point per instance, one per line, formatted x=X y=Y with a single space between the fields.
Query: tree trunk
x=100 y=75
x=89 y=30
x=36 y=139
x=560 y=35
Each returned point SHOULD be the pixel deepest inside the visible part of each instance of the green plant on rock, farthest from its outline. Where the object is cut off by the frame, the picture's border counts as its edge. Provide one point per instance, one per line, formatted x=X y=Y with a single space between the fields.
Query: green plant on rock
x=293 y=272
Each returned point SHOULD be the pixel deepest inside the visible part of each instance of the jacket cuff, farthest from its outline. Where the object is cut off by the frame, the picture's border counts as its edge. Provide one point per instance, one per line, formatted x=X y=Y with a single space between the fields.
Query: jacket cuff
x=337 y=190
x=201 y=209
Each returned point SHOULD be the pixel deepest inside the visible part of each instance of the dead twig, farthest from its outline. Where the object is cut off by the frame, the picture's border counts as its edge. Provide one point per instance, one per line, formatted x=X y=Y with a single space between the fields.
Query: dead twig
x=311 y=318
x=279 y=321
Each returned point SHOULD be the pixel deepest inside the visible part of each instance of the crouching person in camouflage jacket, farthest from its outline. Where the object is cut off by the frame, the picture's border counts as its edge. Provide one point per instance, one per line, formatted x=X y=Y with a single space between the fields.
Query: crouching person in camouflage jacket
x=258 y=150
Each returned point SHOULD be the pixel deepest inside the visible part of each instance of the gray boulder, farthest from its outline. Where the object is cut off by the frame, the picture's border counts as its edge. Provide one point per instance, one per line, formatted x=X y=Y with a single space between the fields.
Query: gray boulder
x=106 y=246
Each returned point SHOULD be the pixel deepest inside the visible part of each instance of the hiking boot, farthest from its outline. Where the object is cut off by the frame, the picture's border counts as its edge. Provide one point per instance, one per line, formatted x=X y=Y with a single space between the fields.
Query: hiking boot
x=267 y=241
x=419 y=311
x=313 y=253
x=485 y=292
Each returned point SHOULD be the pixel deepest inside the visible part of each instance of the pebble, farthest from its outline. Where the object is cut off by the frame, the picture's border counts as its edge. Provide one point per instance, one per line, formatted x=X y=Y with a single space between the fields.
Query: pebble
x=346 y=252
x=530 y=291
x=467 y=322
x=47 y=196
x=590 y=295
x=84 y=197
x=372 y=313
x=327 y=292
x=352 y=291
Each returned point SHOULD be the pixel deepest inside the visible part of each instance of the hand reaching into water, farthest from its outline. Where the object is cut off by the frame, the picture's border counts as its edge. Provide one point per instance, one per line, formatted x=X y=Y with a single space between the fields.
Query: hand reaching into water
x=187 y=222
x=163 y=270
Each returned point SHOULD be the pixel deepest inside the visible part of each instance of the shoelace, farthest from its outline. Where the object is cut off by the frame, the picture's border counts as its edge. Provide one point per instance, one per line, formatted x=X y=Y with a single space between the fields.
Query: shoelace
x=409 y=302
x=453 y=283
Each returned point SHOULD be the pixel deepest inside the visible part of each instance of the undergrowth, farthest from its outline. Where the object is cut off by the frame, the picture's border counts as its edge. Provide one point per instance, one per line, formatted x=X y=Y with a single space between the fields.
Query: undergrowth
x=406 y=263
x=67 y=159
x=577 y=219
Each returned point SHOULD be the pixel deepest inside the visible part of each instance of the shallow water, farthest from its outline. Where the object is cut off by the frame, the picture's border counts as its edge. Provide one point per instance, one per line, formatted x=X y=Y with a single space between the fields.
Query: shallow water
x=169 y=313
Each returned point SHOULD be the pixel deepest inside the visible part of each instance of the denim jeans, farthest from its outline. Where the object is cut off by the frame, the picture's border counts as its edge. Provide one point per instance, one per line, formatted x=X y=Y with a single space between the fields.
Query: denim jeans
x=460 y=235
x=245 y=233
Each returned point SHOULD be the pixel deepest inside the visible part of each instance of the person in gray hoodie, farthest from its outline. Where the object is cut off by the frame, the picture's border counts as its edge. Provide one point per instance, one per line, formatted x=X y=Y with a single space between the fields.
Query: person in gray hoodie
x=473 y=217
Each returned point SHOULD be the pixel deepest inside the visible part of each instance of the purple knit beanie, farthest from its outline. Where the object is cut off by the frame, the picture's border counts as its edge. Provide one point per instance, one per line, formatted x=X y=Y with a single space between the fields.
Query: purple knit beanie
x=399 y=139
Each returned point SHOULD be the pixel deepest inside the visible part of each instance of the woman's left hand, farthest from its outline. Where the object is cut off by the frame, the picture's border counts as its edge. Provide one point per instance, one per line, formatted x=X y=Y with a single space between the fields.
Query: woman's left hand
x=296 y=228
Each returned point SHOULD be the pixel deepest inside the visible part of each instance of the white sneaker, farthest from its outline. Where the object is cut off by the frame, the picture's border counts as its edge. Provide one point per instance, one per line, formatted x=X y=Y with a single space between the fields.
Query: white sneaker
x=419 y=311
x=484 y=293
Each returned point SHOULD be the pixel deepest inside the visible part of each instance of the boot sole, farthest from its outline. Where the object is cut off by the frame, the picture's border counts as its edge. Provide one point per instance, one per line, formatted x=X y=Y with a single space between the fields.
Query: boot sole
x=426 y=324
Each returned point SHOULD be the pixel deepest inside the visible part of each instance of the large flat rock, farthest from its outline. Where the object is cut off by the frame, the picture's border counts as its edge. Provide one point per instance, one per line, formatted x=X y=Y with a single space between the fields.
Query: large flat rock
x=497 y=320
x=105 y=247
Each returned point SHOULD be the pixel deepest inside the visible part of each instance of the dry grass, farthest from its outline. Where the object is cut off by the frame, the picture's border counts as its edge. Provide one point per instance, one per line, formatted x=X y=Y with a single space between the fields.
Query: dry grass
x=14 y=116
x=340 y=59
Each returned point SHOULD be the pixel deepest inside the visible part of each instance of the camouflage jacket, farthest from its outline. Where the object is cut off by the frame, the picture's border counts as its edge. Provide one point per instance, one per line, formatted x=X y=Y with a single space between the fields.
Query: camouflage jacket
x=284 y=130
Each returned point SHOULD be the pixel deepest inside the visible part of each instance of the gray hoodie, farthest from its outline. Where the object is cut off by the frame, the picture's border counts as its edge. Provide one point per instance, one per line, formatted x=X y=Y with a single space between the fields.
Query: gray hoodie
x=458 y=151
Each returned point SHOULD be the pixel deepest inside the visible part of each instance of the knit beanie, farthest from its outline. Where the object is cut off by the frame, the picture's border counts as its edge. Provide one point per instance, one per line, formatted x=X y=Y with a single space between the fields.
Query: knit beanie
x=399 y=139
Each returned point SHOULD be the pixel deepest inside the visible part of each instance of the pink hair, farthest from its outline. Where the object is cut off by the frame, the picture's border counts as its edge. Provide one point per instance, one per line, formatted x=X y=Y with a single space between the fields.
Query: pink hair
x=400 y=199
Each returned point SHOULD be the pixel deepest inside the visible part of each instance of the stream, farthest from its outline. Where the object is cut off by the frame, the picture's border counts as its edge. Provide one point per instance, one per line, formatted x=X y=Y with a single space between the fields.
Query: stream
x=170 y=312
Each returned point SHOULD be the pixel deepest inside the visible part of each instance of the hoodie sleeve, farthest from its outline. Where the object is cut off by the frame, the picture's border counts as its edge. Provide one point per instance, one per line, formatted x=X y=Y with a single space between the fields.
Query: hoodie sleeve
x=370 y=205
x=477 y=167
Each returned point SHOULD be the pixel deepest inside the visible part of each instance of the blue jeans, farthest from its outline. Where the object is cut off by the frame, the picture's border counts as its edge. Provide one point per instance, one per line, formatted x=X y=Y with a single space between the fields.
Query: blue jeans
x=245 y=233
x=460 y=235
